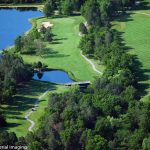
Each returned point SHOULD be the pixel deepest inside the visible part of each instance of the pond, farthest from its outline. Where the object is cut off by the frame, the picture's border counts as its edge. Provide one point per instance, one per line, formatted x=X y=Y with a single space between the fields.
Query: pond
x=55 y=76
x=15 y=22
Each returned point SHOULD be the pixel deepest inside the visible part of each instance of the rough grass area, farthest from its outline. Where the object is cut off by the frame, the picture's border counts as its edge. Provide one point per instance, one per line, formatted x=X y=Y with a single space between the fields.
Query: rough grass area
x=135 y=30
x=23 y=103
x=65 y=52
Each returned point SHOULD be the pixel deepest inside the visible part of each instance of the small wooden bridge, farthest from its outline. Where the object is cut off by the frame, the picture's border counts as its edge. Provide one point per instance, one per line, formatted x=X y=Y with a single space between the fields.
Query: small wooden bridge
x=81 y=84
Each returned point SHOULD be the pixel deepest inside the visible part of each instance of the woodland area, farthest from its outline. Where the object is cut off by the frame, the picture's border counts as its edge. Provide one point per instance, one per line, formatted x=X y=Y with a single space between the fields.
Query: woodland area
x=19 y=1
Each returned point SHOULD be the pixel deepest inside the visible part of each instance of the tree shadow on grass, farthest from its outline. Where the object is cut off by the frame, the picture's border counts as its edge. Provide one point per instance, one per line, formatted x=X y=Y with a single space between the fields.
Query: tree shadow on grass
x=55 y=55
x=9 y=125
x=124 y=17
x=143 y=5
x=24 y=101
x=142 y=76
x=58 y=40
x=12 y=125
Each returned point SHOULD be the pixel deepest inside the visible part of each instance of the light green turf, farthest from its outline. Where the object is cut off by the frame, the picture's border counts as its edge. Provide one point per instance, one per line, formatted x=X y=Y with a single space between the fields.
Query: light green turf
x=67 y=54
x=136 y=33
x=23 y=103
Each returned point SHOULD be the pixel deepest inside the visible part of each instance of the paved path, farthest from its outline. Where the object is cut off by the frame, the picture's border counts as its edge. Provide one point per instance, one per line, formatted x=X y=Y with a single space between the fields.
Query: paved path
x=32 y=123
x=90 y=62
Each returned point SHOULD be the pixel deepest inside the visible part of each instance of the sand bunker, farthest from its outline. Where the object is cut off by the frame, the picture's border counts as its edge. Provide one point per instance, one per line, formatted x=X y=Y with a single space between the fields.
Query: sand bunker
x=47 y=24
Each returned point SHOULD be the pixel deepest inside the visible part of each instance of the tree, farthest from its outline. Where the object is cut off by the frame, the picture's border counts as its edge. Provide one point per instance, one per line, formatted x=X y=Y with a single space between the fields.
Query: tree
x=48 y=8
x=3 y=122
x=18 y=44
x=87 y=44
x=39 y=64
x=96 y=142
x=82 y=28
x=35 y=33
x=66 y=7
x=48 y=35
x=35 y=146
x=104 y=128
x=146 y=144
x=108 y=38
x=40 y=47
x=91 y=12
x=12 y=138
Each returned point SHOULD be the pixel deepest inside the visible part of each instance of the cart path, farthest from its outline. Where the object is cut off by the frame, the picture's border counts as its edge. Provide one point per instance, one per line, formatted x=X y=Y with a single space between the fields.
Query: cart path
x=91 y=63
x=32 y=123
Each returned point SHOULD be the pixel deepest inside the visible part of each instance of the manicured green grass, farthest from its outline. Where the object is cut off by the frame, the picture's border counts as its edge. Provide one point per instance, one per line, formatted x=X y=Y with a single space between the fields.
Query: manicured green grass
x=66 y=54
x=23 y=103
x=136 y=33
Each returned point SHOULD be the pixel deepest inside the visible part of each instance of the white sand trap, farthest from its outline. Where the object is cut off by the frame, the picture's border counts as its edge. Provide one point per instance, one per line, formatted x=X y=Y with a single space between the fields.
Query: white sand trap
x=47 y=24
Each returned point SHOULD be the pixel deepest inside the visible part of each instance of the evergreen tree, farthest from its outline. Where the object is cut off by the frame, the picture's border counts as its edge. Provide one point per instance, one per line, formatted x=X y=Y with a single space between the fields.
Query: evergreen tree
x=48 y=8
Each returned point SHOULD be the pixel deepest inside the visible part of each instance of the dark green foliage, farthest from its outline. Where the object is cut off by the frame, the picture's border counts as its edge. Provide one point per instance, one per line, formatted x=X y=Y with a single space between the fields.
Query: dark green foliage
x=35 y=33
x=87 y=44
x=82 y=28
x=13 y=71
x=66 y=7
x=18 y=44
x=48 y=35
x=91 y=13
x=8 y=138
x=49 y=8
x=19 y=1
x=32 y=43
x=2 y=120
x=39 y=64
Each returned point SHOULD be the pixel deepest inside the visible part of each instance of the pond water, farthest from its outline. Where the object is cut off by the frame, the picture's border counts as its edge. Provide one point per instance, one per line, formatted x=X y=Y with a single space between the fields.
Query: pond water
x=15 y=22
x=55 y=76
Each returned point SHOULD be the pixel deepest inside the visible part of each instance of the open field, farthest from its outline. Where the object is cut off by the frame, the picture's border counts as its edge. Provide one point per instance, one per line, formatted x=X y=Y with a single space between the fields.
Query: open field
x=135 y=28
x=65 y=52
x=24 y=101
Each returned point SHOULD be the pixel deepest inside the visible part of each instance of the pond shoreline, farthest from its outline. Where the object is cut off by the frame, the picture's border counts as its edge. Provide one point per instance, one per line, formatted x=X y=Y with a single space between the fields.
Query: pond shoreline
x=53 y=76
x=24 y=28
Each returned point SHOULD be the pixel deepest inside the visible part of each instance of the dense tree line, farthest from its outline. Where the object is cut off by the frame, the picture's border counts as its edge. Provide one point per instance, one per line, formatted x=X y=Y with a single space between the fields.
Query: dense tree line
x=13 y=71
x=34 y=41
x=64 y=7
x=19 y=1
x=104 y=8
